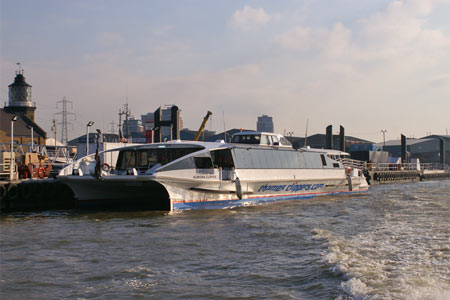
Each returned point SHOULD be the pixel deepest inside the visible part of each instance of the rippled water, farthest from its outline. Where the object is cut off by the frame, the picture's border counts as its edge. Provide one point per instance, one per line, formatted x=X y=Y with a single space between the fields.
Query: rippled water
x=392 y=243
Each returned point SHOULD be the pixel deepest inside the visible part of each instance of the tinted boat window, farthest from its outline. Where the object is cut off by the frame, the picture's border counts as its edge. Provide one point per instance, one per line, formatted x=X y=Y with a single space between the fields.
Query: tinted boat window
x=247 y=139
x=127 y=159
x=222 y=158
x=262 y=158
x=147 y=158
x=203 y=162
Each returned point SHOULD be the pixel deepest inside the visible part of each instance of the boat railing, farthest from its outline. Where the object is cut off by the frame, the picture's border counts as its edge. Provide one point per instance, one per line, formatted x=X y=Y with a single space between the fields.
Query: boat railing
x=352 y=163
x=435 y=166
x=86 y=164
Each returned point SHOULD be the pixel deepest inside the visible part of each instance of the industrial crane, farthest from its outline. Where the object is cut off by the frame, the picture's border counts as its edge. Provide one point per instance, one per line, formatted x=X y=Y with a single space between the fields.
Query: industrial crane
x=200 y=130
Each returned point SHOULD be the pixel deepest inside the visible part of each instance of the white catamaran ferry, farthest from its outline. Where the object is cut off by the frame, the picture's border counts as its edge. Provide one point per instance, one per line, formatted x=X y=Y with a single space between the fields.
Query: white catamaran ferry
x=256 y=167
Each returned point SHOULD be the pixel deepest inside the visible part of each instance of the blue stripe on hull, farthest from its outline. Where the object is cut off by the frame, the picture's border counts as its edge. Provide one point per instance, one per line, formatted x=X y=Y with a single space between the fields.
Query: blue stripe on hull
x=220 y=204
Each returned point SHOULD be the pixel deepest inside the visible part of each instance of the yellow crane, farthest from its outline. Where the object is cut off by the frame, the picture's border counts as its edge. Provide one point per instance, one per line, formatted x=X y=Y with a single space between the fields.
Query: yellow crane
x=200 y=130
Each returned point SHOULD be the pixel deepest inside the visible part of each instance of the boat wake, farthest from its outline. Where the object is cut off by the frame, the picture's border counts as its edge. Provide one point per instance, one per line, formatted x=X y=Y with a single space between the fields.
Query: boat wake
x=391 y=262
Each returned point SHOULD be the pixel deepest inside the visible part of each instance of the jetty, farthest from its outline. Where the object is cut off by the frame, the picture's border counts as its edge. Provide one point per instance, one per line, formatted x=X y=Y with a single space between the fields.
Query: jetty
x=405 y=172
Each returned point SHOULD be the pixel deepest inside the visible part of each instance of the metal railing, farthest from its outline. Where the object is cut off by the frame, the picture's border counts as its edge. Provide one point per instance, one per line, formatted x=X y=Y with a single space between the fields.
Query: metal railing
x=406 y=167
x=392 y=167
x=58 y=154
x=352 y=163
x=435 y=166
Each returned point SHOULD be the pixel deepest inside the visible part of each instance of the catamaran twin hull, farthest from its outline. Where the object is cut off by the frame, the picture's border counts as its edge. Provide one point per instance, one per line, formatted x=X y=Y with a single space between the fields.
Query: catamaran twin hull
x=172 y=194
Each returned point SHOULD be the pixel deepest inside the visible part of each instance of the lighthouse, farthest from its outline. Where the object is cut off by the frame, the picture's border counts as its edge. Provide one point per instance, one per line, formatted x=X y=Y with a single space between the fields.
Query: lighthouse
x=20 y=97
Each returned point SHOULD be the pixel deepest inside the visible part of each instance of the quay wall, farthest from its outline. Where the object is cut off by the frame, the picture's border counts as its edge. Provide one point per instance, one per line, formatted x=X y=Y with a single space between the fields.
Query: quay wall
x=35 y=195
x=379 y=177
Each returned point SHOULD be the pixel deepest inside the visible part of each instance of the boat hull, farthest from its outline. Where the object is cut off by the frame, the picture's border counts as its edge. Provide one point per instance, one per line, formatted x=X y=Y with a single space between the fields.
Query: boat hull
x=170 y=194
x=260 y=192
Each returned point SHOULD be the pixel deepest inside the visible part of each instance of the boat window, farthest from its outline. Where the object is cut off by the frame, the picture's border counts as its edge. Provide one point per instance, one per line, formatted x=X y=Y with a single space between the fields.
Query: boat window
x=324 y=160
x=222 y=158
x=275 y=140
x=265 y=140
x=127 y=159
x=203 y=162
x=247 y=139
x=284 y=141
x=262 y=158
x=147 y=158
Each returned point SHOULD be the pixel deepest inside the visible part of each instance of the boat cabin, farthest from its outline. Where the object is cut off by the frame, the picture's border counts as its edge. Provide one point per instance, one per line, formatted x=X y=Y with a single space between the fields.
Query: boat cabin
x=261 y=138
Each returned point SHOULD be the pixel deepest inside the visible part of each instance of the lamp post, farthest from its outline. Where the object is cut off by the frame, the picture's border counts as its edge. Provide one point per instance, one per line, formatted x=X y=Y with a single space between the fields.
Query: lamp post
x=11 y=159
x=32 y=138
x=384 y=140
x=89 y=124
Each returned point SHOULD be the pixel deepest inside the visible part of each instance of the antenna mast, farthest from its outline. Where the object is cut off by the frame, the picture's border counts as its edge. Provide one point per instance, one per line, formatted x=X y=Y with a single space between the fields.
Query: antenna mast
x=127 y=115
x=125 y=112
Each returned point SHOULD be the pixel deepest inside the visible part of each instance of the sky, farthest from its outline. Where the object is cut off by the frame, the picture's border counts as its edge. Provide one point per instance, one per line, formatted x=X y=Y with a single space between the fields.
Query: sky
x=368 y=65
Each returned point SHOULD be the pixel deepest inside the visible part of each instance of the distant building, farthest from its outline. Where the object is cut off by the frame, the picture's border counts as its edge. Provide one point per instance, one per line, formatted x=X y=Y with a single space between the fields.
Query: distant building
x=319 y=141
x=264 y=124
x=425 y=149
x=189 y=135
x=167 y=123
x=132 y=126
x=20 y=105
x=148 y=121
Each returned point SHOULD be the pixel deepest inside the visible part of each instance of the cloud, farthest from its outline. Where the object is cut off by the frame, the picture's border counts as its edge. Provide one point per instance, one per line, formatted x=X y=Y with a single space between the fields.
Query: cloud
x=110 y=38
x=440 y=81
x=72 y=21
x=250 y=18
x=390 y=57
x=399 y=32
x=162 y=31
x=331 y=43
x=298 y=39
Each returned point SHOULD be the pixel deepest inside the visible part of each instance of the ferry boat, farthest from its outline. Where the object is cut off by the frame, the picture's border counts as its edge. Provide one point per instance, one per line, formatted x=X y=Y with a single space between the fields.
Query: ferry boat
x=255 y=167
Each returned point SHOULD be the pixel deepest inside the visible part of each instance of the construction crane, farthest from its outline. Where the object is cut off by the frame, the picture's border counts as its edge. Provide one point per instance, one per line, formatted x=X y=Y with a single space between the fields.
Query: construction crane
x=200 y=130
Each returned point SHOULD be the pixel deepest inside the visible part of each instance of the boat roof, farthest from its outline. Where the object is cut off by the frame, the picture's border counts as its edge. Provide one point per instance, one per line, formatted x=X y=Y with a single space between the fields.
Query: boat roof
x=220 y=144
x=256 y=132
x=327 y=151
x=175 y=144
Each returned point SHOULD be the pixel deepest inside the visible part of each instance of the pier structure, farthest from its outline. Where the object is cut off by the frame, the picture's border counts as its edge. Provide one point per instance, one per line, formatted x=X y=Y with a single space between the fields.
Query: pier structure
x=405 y=172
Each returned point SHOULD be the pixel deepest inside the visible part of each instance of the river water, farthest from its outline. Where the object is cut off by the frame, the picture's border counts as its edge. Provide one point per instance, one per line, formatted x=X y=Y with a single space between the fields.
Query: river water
x=391 y=243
